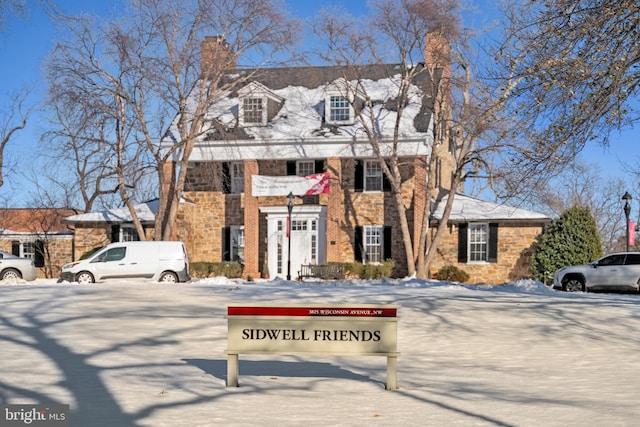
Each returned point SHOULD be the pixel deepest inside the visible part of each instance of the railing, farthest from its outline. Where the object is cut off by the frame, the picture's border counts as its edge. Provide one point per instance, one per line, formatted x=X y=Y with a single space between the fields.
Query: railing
x=325 y=271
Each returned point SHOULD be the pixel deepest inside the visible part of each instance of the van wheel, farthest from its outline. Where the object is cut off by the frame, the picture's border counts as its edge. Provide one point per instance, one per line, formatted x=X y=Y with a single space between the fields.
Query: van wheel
x=168 y=277
x=84 y=277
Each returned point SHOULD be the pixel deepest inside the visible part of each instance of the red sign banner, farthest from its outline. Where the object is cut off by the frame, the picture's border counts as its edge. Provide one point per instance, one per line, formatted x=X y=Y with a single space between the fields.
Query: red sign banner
x=312 y=311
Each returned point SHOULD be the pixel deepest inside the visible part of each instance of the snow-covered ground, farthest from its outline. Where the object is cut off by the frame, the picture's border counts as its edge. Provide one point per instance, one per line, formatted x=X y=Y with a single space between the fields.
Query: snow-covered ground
x=148 y=354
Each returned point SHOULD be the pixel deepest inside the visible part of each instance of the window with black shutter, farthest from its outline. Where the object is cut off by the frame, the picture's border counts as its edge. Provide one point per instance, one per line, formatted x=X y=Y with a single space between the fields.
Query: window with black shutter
x=478 y=242
x=226 y=178
x=38 y=256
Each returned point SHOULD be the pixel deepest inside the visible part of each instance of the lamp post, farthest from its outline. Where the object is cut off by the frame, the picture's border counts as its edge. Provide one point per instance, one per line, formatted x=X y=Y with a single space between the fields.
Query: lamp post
x=627 y=211
x=289 y=209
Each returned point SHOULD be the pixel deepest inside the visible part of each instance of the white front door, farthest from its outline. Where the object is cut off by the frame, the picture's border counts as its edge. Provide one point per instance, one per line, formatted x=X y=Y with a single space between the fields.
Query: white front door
x=308 y=239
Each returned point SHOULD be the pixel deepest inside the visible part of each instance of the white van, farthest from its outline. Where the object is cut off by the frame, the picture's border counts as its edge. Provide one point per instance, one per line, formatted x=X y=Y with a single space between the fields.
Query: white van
x=159 y=261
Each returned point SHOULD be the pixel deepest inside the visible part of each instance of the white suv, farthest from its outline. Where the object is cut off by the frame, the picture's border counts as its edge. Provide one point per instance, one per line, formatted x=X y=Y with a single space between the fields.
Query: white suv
x=614 y=272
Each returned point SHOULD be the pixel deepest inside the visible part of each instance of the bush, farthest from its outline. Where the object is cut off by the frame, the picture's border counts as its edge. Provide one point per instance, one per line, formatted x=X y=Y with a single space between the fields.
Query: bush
x=369 y=271
x=451 y=273
x=571 y=239
x=230 y=269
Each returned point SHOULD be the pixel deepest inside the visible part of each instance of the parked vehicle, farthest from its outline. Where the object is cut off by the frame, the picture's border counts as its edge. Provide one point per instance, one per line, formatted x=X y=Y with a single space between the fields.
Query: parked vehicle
x=15 y=267
x=159 y=261
x=614 y=272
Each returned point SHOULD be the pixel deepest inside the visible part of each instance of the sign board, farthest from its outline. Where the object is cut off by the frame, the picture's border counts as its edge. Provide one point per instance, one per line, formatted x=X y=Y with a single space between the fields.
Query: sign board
x=365 y=330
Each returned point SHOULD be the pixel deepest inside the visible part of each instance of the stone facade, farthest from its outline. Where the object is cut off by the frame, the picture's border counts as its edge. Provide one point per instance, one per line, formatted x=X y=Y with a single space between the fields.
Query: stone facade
x=515 y=248
x=208 y=212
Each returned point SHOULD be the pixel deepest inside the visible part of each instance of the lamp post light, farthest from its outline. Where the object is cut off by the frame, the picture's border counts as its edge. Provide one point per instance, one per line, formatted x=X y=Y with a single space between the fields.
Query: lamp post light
x=290 y=209
x=627 y=211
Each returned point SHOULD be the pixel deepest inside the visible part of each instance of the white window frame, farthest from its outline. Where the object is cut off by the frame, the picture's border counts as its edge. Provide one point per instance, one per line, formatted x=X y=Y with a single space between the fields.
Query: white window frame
x=237 y=243
x=128 y=233
x=478 y=242
x=28 y=249
x=253 y=101
x=373 y=243
x=305 y=167
x=337 y=106
x=372 y=173
x=236 y=175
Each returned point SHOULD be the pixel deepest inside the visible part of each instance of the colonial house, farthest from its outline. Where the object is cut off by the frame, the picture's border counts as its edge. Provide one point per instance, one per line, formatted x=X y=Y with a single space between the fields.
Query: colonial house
x=285 y=175
x=38 y=234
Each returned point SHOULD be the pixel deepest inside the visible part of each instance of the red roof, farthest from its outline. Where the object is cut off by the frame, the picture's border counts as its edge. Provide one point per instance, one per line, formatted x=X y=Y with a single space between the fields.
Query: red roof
x=26 y=220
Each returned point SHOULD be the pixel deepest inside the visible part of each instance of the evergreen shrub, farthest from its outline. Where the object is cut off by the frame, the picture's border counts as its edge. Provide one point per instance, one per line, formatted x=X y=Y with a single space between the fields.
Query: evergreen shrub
x=571 y=239
x=230 y=269
x=451 y=273
x=369 y=271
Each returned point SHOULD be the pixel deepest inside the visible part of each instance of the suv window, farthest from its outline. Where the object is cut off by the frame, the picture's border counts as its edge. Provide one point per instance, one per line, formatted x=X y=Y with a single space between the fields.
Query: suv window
x=617 y=259
x=632 y=259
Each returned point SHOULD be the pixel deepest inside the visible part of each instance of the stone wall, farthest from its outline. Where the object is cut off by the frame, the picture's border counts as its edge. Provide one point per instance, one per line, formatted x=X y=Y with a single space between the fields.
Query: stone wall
x=515 y=248
x=59 y=251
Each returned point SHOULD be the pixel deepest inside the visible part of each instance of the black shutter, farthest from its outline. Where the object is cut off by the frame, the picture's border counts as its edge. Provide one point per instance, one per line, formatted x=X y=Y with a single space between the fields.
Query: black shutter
x=38 y=256
x=291 y=167
x=15 y=248
x=386 y=184
x=115 y=233
x=319 y=167
x=226 y=244
x=462 y=242
x=226 y=178
x=359 y=176
x=387 y=242
x=493 y=243
x=358 y=250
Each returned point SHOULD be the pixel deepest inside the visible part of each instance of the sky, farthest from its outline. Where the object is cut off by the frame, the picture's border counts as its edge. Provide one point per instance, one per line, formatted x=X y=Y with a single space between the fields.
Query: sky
x=518 y=354
x=26 y=41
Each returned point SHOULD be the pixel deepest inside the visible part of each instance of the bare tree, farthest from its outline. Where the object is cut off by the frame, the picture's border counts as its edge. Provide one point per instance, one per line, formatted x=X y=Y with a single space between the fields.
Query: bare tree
x=579 y=60
x=12 y=119
x=469 y=112
x=143 y=72
x=582 y=184
x=10 y=7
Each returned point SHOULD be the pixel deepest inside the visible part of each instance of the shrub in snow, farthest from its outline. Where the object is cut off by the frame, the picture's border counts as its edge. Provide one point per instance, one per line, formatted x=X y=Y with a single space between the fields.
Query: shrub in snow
x=451 y=273
x=571 y=239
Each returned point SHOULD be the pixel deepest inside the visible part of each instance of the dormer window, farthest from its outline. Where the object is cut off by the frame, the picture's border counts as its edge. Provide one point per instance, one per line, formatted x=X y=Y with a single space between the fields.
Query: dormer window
x=258 y=104
x=340 y=101
x=339 y=109
x=253 y=111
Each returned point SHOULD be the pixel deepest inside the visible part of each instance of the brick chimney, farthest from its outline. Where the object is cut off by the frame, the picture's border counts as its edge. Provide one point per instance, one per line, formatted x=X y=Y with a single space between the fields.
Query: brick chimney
x=215 y=55
x=438 y=53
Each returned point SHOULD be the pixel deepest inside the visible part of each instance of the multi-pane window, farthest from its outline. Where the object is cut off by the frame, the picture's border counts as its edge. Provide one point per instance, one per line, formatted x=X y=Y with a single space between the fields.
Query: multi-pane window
x=372 y=175
x=478 y=242
x=29 y=250
x=373 y=243
x=252 y=110
x=128 y=233
x=298 y=225
x=237 y=178
x=305 y=167
x=237 y=243
x=339 y=110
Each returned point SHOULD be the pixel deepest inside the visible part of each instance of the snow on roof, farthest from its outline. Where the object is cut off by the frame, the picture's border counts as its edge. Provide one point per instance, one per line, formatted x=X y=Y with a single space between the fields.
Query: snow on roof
x=146 y=213
x=302 y=113
x=466 y=208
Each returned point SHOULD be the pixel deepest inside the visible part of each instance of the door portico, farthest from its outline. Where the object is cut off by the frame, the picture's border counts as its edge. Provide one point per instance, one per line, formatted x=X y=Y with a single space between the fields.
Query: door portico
x=308 y=238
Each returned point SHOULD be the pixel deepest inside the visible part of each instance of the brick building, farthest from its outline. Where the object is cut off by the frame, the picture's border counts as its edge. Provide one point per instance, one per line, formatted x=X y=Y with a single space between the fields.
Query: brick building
x=280 y=129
